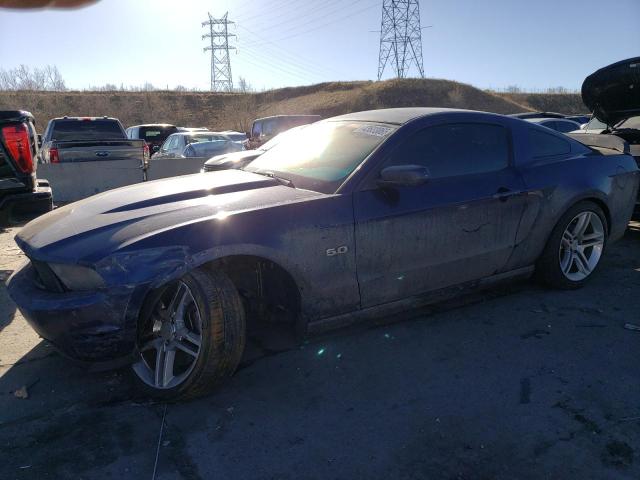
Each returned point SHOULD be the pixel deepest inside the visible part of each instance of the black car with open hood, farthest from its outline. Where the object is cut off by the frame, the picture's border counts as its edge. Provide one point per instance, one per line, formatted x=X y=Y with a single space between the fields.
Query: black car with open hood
x=613 y=92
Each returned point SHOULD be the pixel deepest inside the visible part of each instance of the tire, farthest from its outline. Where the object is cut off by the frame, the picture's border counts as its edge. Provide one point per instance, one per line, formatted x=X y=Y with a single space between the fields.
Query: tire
x=549 y=267
x=215 y=304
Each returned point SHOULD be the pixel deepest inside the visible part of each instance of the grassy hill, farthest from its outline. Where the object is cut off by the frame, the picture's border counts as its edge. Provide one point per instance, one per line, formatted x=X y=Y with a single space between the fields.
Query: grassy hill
x=235 y=110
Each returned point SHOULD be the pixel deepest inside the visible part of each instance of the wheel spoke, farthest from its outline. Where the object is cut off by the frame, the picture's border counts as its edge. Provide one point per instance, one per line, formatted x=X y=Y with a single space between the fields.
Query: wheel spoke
x=193 y=337
x=151 y=344
x=566 y=262
x=164 y=366
x=592 y=239
x=567 y=238
x=186 y=348
x=583 y=222
x=581 y=263
x=178 y=298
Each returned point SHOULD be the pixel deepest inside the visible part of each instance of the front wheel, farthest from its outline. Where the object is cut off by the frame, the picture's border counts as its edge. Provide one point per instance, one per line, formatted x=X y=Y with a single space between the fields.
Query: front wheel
x=575 y=247
x=191 y=336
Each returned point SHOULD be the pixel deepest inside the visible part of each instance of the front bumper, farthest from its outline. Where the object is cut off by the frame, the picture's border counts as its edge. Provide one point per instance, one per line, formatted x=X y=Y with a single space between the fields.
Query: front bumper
x=97 y=327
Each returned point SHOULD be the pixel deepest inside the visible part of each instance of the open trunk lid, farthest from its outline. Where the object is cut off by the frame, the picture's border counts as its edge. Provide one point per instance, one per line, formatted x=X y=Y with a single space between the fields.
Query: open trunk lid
x=613 y=92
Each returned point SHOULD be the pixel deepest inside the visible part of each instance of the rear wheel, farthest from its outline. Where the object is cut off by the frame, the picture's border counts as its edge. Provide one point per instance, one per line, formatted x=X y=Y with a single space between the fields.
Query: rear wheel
x=575 y=247
x=191 y=336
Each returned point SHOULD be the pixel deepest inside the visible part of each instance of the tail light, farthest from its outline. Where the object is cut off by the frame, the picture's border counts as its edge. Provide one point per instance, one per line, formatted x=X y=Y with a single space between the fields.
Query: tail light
x=145 y=151
x=16 y=138
x=54 y=156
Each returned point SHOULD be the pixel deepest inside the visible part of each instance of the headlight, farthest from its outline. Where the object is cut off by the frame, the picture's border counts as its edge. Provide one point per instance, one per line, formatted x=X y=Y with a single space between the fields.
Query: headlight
x=76 y=277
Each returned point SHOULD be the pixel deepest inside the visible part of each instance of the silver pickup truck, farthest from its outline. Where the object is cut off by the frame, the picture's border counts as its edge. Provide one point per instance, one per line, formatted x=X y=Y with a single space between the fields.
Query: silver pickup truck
x=89 y=139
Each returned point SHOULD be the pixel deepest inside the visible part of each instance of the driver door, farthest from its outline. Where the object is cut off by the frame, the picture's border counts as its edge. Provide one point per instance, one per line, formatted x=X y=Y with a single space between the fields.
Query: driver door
x=459 y=225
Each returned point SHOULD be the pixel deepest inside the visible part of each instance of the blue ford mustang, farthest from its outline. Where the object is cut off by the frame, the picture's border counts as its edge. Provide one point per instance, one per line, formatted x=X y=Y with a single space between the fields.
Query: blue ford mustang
x=359 y=215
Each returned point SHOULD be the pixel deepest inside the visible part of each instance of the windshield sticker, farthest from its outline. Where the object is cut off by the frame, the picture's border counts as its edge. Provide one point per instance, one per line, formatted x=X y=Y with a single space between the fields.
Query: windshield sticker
x=374 y=130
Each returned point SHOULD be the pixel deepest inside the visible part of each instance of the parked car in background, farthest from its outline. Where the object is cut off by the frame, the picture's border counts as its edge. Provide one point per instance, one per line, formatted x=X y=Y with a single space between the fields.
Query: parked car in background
x=153 y=133
x=192 y=129
x=22 y=195
x=90 y=139
x=209 y=149
x=561 y=125
x=242 y=158
x=581 y=119
x=356 y=216
x=237 y=137
x=175 y=144
x=264 y=129
x=526 y=115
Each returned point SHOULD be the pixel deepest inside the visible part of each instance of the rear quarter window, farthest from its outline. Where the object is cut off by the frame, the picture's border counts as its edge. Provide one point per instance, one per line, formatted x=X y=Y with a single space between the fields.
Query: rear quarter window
x=544 y=144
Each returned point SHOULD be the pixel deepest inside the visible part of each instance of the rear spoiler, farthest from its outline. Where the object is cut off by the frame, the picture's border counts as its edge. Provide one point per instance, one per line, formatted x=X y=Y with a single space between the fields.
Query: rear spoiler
x=602 y=140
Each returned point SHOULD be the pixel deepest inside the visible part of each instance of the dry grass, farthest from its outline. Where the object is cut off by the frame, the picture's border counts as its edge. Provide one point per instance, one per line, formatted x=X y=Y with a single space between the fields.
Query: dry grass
x=222 y=111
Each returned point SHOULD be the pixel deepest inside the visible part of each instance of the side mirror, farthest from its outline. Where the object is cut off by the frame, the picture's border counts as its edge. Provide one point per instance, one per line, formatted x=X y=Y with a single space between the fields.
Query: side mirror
x=155 y=148
x=403 y=176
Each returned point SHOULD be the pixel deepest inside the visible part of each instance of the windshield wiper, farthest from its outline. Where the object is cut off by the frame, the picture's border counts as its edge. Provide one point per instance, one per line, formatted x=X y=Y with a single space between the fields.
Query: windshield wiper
x=282 y=180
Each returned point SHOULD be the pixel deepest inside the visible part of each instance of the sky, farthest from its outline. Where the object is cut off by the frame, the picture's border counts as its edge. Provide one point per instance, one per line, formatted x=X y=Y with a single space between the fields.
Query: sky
x=534 y=44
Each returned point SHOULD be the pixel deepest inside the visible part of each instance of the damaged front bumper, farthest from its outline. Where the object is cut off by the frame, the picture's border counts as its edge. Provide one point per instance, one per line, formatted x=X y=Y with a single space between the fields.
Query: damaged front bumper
x=95 y=327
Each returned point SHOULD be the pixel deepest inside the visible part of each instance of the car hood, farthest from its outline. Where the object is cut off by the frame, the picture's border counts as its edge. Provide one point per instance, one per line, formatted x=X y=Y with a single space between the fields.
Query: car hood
x=91 y=229
x=613 y=92
x=233 y=157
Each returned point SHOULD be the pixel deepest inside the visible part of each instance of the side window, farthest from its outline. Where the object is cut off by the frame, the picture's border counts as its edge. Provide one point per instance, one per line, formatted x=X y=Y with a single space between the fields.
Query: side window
x=167 y=143
x=456 y=149
x=270 y=128
x=547 y=145
x=257 y=129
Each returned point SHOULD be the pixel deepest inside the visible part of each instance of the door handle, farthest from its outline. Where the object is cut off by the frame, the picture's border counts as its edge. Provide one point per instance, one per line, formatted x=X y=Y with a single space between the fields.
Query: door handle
x=503 y=194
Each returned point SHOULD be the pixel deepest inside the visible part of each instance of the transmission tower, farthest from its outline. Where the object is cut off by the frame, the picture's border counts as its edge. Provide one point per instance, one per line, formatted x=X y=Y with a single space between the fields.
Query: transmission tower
x=400 y=37
x=221 y=79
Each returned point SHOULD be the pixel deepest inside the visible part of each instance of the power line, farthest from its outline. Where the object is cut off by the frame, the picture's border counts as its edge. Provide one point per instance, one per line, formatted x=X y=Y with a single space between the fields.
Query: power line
x=291 y=67
x=340 y=9
x=279 y=51
x=400 y=37
x=221 y=79
x=260 y=62
x=318 y=27
x=274 y=7
x=278 y=21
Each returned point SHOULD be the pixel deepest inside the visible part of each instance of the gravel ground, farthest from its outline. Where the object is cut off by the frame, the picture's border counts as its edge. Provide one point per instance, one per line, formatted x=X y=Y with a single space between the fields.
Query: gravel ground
x=522 y=382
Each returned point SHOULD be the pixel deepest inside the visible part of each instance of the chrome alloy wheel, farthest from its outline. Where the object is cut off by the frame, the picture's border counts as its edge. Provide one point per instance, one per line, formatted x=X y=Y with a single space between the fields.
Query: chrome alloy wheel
x=581 y=246
x=170 y=343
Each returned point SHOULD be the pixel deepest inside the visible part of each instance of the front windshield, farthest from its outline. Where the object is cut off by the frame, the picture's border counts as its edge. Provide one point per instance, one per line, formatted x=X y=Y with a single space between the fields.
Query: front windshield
x=279 y=138
x=321 y=156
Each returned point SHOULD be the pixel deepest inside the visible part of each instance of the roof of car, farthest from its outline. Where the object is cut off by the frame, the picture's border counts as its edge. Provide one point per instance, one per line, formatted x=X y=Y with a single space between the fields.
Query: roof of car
x=10 y=115
x=86 y=118
x=541 y=120
x=163 y=125
x=198 y=133
x=399 y=116
x=287 y=116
